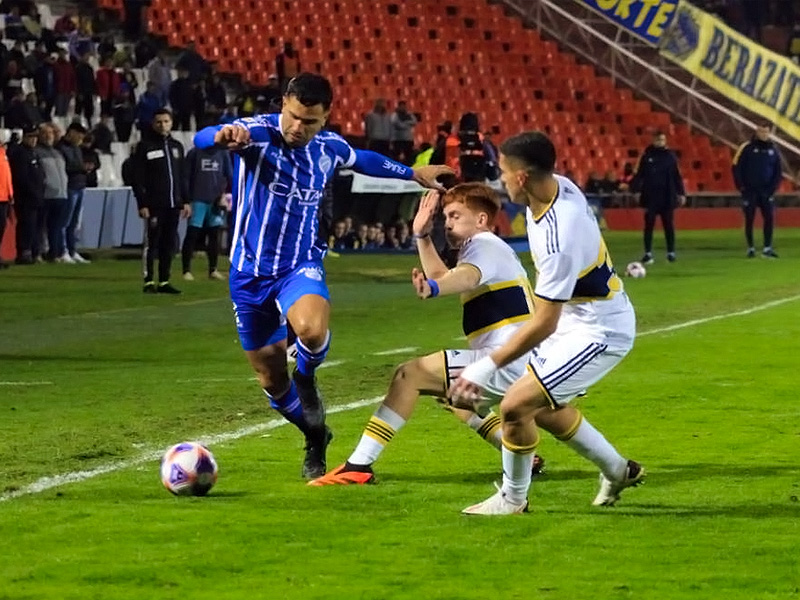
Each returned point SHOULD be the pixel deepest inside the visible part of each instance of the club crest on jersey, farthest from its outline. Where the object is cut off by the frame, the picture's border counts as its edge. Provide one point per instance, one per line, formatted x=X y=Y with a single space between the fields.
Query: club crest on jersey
x=294 y=193
x=325 y=163
x=314 y=273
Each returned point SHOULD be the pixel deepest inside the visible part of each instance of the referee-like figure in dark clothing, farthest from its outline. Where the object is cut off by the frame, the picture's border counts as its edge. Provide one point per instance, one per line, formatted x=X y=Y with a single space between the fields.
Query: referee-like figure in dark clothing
x=160 y=189
x=757 y=173
x=658 y=180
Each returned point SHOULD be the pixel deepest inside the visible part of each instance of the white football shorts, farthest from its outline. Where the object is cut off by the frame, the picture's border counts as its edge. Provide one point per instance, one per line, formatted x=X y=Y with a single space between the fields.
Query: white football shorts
x=456 y=360
x=567 y=364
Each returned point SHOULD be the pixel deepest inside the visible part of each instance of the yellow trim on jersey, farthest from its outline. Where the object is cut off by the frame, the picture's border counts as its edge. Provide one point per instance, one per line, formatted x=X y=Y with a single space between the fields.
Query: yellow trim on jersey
x=614 y=282
x=538 y=218
x=498 y=325
x=546 y=392
x=738 y=154
x=493 y=287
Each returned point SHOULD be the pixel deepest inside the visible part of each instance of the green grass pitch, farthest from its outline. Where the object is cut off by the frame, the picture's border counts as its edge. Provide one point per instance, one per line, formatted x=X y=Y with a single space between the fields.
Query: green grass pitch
x=94 y=374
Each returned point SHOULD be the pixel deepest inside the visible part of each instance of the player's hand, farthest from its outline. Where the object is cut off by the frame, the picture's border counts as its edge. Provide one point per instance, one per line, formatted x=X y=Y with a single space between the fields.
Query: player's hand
x=423 y=220
x=681 y=200
x=468 y=387
x=144 y=212
x=420 y=283
x=186 y=211
x=427 y=176
x=233 y=137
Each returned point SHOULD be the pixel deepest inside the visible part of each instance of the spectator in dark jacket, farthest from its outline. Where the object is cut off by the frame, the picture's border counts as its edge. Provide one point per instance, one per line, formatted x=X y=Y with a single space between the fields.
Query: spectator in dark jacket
x=149 y=103
x=757 y=173
x=85 y=88
x=159 y=185
x=91 y=160
x=215 y=96
x=190 y=61
x=102 y=137
x=658 y=180
x=70 y=147
x=30 y=109
x=124 y=118
x=28 y=181
x=181 y=99
x=44 y=80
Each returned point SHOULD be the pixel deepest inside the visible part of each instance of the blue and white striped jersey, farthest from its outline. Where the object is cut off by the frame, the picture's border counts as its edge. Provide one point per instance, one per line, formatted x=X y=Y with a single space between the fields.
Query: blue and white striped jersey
x=277 y=191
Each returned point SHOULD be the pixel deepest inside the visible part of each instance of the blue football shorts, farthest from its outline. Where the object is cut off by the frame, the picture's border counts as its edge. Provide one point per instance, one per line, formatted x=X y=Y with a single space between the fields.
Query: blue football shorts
x=260 y=303
x=206 y=215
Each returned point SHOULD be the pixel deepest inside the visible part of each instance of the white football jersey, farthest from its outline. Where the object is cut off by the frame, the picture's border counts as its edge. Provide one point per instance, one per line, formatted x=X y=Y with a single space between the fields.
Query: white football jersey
x=573 y=266
x=503 y=299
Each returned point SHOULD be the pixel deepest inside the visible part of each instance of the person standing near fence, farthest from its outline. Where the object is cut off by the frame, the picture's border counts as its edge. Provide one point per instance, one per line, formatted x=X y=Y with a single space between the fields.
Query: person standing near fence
x=209 y=174
x=757 y=173
x=160 y=190
x=658 y=179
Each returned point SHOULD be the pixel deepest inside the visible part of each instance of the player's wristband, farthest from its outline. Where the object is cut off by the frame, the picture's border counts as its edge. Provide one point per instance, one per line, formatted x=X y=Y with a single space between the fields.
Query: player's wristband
x=421 y=236
x=480 y=372
x=434 y=288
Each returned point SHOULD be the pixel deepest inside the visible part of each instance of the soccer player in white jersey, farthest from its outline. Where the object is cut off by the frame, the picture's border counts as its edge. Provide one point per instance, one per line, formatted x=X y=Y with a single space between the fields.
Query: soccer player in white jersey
x=582 y=327
x=281 y=165
x=496 y=298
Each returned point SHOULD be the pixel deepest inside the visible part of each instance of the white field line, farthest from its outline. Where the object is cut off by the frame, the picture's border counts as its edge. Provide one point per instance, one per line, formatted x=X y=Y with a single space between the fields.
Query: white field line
x=46 y=483
x=738 y=313
x=25 y=383
x=404 y=350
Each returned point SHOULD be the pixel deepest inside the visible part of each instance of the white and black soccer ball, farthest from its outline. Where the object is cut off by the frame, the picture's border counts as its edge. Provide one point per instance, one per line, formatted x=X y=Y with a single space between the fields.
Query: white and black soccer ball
x=188 y=469
x=635 y=270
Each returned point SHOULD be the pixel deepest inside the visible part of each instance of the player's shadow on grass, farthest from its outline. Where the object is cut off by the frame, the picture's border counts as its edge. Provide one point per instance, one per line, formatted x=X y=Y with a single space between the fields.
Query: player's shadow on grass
x=669 y=473
x=751 y=510
x=477 y=477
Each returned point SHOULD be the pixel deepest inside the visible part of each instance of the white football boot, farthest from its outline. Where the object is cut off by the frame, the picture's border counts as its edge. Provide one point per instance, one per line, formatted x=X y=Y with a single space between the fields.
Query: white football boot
x=610 y=490
x=498 y=504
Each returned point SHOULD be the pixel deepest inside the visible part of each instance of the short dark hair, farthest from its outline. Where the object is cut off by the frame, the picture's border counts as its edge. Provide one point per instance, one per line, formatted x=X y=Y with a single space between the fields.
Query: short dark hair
x=311 y=89
x=534 y=149
x=659 y=133
x=163 y=111
x=74 y=126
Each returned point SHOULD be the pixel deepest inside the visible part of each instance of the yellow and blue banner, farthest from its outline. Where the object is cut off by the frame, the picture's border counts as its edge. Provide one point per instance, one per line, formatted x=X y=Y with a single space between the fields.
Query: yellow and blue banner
x=646 y=18
x=754 y=77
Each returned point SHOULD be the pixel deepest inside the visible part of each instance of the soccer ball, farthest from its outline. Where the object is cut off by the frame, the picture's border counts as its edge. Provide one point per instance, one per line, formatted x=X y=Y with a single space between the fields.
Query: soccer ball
x=635 y=270
x=188 y=469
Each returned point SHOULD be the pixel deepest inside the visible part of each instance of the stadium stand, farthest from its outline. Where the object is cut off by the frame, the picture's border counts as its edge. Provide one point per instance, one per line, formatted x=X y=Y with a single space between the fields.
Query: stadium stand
x=444 y=58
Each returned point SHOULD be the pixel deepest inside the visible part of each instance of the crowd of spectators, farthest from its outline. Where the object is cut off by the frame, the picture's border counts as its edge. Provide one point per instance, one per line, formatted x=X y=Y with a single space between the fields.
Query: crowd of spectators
x=348 y=235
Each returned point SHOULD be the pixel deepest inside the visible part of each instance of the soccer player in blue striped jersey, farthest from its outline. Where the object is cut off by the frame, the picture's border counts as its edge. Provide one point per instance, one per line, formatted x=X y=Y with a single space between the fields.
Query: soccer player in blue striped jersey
x=281 y=165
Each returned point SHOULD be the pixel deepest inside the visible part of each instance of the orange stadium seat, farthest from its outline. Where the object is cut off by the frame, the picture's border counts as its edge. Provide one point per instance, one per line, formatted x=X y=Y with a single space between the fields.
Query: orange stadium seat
x=445 y=58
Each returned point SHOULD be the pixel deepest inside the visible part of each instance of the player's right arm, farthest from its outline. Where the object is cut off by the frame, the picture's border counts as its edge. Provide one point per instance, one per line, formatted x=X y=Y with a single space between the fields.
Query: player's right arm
x=235 y=136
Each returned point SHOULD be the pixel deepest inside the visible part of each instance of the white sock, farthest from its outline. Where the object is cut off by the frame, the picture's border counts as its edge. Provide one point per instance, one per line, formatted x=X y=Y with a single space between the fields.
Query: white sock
x=380 y=430
x=592 y=445
x=488 y=428
x=516 y=475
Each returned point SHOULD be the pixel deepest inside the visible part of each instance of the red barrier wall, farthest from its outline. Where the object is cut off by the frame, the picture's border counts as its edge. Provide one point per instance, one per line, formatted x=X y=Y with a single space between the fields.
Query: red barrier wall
x=8 y=245
x=631 y=219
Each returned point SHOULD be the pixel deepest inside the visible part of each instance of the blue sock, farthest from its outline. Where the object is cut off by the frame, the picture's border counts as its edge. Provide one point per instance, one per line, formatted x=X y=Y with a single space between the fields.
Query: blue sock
x=308 y=361
x=289 y=406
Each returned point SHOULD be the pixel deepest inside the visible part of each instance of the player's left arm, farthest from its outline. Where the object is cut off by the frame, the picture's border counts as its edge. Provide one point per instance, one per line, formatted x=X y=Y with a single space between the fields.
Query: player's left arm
x=462 y=278
x=371 y=163
x=678 y=180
